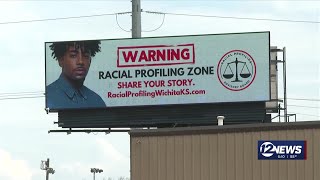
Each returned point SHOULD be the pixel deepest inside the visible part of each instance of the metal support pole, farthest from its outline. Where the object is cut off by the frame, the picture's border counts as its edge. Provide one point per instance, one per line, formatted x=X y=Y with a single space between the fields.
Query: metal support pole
x=45 y=165
x=285 y=85
x=136 y=19
x=94 y=171
x=47 y=172
x=279 y=112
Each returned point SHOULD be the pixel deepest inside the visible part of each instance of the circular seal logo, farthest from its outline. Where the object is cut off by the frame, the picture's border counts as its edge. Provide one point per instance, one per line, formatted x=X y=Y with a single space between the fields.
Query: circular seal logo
x=236 y=70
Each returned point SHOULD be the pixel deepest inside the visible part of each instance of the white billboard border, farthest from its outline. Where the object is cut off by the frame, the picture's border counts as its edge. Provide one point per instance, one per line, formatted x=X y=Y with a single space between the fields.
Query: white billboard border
x=192 y=35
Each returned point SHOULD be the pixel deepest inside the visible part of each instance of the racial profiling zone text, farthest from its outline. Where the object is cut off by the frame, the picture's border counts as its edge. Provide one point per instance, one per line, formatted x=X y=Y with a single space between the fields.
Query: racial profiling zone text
x=157 y=72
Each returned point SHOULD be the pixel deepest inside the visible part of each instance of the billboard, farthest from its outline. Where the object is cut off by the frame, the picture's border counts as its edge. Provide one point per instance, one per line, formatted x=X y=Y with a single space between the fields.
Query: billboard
x=215 y=68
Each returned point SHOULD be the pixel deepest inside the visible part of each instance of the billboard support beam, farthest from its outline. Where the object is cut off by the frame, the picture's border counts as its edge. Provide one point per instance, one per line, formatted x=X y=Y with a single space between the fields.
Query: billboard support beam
x=285 y=84
x=136 y=19
x=107 y=131
x=284 y=76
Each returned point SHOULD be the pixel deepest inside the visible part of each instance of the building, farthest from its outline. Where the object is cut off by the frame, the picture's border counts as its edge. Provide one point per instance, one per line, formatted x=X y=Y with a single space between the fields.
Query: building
x=222 y=152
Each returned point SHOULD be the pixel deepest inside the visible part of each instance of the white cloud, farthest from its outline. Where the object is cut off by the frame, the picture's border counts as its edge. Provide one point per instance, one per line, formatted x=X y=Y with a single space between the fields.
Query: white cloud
x=116 y=163
x=75 y=170
x=109 y=151
x=13 y=169
x=289 y=6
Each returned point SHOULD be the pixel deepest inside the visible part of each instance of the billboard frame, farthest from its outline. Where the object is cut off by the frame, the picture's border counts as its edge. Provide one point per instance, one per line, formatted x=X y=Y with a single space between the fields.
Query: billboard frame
x=157 y=37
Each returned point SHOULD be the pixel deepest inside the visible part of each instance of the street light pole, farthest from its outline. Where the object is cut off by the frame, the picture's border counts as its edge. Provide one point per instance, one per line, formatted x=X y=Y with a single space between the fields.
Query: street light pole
x=45 y=165
x=47 y=172
x=94 y=171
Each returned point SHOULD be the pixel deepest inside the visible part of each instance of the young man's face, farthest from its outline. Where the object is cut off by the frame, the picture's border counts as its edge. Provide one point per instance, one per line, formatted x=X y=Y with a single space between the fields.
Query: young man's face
x=75 y=63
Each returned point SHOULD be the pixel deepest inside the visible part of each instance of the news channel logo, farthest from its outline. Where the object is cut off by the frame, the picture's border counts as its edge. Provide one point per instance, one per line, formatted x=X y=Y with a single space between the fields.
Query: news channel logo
x=282 y=150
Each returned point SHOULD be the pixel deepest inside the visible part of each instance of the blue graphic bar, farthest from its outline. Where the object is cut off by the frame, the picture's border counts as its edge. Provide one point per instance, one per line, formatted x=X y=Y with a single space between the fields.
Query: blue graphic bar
x=282 y=150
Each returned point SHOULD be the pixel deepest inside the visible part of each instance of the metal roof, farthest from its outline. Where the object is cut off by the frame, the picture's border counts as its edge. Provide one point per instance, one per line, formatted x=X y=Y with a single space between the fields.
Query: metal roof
x=225 y=128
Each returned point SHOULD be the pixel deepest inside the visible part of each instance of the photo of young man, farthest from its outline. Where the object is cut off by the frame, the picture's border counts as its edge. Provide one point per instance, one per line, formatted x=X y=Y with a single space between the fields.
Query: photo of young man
x=69 y=91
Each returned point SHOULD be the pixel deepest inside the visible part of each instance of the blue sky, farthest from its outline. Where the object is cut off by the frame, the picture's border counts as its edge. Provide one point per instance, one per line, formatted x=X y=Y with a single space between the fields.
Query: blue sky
x=23 y=136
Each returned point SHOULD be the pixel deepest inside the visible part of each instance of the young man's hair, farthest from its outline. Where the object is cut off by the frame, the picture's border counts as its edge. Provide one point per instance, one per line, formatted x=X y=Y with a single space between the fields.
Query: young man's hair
x=90 y=46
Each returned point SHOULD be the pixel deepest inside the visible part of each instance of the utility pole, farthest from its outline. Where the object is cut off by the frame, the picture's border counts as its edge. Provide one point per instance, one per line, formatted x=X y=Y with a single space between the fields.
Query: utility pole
x=136 y=19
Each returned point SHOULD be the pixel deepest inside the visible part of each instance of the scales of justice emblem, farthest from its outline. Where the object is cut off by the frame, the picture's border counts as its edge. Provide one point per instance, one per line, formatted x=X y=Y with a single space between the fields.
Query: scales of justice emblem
x=236 y=70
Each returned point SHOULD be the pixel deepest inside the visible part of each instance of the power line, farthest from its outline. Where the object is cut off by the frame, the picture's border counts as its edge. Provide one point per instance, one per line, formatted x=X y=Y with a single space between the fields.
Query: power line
x=23 y=97
x=120 y=26
x=164 y=13
x=234 y=17
x=21 y=93
x=304 y=106
x=123 y=29
x=158 y=26
x=61 y=18
x=304 y=99
x=305 y=114
x=41 y=93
